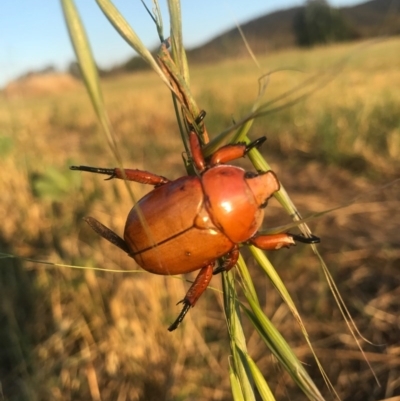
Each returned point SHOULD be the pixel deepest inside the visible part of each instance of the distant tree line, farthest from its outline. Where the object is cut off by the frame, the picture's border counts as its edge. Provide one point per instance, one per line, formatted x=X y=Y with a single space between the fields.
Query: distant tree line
x=318 y=23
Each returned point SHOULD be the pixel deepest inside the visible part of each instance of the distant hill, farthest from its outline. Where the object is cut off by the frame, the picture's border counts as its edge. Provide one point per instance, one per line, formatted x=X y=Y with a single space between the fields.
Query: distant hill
x=268 y=32
x=271 y=31
x=375 y=18
x=37 y=84
x=275 y=31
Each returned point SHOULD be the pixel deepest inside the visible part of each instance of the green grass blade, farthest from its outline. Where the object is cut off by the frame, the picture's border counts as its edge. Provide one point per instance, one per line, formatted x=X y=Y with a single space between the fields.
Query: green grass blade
x=178 y=50
x=88 y=69
x=266 y=265
x=282 y=351
x=235 y=385
x=251 y=296
x=236 y=335
x=268 y=268
x=129 y=35
x=84 y=54
x=259 y=380
x=245 y=278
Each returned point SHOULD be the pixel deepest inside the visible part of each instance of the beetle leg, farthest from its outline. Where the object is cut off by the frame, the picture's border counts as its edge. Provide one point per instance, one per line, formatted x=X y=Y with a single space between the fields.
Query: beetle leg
x=222 y=155
x=106 y=233
x=197 y=154
x=234 y=151
x=278 y=241
x=144 y=177
x=197 y=288
x=230 y=260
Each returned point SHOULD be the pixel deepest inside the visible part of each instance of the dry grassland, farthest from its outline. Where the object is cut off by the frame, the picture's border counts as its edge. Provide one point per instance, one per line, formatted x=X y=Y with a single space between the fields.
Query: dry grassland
x=70 y=334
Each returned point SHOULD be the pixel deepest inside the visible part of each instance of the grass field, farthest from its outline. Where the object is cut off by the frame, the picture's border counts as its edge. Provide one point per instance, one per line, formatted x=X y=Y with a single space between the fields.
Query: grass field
x=69 y=334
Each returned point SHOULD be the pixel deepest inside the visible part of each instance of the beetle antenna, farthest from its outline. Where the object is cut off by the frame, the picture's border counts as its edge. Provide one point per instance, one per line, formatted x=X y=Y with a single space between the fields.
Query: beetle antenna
x=255 y=144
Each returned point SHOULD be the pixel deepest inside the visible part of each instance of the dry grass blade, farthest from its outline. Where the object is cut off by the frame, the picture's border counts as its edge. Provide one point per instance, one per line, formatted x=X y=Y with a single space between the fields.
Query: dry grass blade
x=53 y=264
x=156 y=17
x=243 y=129
x=180 y=87
x=293 y=96
x=345 y=312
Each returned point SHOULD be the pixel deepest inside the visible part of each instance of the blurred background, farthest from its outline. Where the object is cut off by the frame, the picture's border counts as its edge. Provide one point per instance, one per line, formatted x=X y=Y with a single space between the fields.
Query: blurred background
x=81 y=334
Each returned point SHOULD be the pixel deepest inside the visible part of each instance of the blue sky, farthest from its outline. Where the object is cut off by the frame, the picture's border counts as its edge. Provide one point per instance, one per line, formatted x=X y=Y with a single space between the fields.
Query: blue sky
x=33 y=33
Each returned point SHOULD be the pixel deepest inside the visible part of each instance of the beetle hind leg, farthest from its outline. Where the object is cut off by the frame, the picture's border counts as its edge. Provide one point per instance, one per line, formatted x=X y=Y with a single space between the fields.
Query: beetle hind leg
x=197 y=288
x=106 y=233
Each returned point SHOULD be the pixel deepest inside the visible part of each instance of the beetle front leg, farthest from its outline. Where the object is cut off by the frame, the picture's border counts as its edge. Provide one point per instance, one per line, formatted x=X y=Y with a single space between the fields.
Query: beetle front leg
x=278 y=241
x=234 y=151
x=197 y=288
x=141 y=176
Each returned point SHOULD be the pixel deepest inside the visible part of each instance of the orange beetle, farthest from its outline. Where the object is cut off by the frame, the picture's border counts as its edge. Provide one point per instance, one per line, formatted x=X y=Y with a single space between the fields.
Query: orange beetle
x=187 y=224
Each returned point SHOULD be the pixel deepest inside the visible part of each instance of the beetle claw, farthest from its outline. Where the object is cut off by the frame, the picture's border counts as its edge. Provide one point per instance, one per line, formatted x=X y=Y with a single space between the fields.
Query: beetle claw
x=255 y=144
x=219 y=269
x=110 y=177
x=198 y=120
x=312 y=239
x=179 y=319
